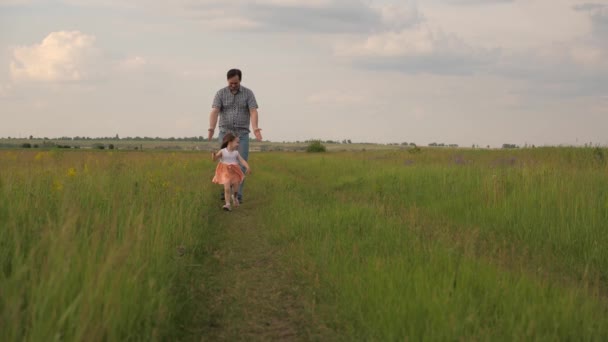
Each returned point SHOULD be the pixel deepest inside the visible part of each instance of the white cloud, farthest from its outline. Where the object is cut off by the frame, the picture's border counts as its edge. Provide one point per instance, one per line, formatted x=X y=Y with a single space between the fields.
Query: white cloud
x=514 y=25
x=309 y=16
x=397 y=17
x=564 y=70
x=414 y=50
x=417 y=42
x=477 y=2
x=574 y=63
x=15 y=2
x=120 y=4
x=449 y=39
x=296 y=3
x=226 y=24
x=587 y=55
x=340 y=98
x=598 y=15
x=316 y=16
x=133 y=63
x=61 y=56
x=5 y=90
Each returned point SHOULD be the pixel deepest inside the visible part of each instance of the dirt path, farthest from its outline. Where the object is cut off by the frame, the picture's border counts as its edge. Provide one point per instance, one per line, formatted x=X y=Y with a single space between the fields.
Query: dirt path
x=252 y=295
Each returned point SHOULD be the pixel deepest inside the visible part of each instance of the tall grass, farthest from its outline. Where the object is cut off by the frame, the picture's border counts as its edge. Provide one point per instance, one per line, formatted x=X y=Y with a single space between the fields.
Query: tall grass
x=92 y=243
x=448 y=244
x=391 y=245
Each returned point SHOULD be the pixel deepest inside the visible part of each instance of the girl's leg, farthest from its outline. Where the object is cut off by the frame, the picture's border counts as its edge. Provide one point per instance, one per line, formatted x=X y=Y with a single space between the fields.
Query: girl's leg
x=227 y=196
x=235 y=193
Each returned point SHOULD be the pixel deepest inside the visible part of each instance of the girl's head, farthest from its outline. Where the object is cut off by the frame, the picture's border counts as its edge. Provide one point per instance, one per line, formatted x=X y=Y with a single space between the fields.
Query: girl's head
x=230 y=140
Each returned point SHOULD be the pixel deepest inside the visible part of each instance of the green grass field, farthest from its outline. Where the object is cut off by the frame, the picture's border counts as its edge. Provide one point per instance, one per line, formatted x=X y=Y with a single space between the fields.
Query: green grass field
x=444 y=244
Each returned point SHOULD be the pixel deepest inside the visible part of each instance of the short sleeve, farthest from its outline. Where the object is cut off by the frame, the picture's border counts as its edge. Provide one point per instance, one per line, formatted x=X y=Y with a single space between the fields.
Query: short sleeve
x=217 y=101
x=251 y=102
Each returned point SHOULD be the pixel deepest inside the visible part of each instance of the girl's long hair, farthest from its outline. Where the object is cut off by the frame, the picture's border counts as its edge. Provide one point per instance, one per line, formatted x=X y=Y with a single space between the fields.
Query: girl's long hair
x=227 y=138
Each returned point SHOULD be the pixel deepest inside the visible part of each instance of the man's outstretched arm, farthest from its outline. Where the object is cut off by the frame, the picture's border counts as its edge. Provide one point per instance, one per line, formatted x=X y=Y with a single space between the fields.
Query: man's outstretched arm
x=215 y=112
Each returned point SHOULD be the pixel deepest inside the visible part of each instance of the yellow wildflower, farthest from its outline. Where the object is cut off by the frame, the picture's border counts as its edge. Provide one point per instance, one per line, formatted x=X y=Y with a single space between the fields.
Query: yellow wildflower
x=57 y=185
x=71 y=172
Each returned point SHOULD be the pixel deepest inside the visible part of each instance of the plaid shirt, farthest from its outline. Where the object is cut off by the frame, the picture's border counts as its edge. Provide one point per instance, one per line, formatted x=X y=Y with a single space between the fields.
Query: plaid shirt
x=234 y=109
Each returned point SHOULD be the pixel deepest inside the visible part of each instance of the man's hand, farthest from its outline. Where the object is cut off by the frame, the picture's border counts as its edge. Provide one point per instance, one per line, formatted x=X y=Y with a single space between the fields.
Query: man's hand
x=258 y=134
x=215 y=112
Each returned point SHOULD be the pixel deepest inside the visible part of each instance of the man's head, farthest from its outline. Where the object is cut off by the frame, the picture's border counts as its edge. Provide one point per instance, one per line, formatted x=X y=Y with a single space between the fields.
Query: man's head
x=234 y=79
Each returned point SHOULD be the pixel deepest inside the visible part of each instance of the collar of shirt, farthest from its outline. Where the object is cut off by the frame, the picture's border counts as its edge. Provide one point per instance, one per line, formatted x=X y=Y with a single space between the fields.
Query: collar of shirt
x=230 y=90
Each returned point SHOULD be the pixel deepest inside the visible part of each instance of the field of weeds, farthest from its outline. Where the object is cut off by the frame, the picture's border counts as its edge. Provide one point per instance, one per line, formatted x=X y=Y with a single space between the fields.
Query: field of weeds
x=372 y=245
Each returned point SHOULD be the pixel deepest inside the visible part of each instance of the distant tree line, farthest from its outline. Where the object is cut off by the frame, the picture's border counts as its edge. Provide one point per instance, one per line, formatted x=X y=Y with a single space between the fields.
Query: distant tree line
x=509 y=146
x=434 y=144
x=116 y=137
x=97 y=146
x=345 y=141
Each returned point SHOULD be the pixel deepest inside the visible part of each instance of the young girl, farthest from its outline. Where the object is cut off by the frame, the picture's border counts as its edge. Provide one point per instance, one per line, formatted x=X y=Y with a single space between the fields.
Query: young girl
x=228 y=171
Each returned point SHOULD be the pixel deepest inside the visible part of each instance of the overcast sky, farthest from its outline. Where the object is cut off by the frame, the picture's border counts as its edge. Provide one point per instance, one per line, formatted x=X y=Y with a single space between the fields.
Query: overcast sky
x=467 y=72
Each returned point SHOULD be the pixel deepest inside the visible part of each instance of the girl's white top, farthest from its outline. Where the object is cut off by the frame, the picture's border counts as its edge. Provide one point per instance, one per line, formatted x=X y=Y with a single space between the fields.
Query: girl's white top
x=229 y=157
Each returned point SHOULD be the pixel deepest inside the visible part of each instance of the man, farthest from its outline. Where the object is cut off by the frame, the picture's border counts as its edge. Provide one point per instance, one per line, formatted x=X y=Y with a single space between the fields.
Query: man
x=236 y=108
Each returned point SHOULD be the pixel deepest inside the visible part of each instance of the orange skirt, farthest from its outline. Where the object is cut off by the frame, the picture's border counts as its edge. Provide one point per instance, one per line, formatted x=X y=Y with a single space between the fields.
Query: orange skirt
x=228 y=174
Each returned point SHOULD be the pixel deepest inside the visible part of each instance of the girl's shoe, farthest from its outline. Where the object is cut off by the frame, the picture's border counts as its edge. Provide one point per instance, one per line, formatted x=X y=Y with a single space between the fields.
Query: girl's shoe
x=235 y=201
x=226 y=207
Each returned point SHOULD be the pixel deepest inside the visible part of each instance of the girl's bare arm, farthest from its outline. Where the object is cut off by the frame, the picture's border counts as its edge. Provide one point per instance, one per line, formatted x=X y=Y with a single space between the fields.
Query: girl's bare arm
x=244 y=163
x=216 y=155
